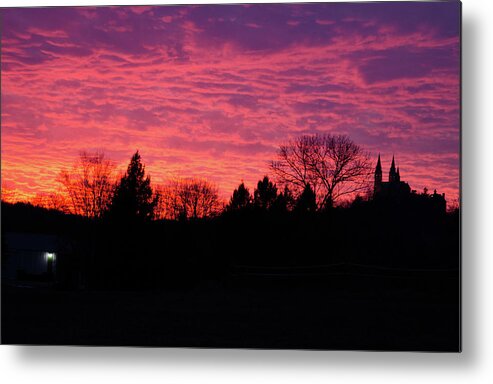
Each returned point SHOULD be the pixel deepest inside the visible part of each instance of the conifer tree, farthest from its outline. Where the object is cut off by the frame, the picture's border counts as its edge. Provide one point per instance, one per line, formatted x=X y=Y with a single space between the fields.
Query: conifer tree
x=241 y=199
x=307 y=202
x=285 y=201
x=265 y=194
x=133 y=198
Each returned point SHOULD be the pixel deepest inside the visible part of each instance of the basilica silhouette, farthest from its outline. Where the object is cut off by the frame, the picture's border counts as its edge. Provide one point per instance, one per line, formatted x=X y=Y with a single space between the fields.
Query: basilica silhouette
x=396 y=190
x=392 y=188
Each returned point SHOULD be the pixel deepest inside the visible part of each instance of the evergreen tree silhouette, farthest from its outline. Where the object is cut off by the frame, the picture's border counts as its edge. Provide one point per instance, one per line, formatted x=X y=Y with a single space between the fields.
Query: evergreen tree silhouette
x=284 y=201
x=133 y=198
x=307 y=202
x=241 y=199
x=265 y=194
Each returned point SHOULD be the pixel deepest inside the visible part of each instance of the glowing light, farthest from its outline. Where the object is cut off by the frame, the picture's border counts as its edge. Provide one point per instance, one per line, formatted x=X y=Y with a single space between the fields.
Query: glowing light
x=49 y=256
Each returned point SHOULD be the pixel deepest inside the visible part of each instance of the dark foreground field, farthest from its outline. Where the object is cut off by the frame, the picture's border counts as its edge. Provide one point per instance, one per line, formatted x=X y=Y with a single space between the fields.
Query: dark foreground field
x=419 y=312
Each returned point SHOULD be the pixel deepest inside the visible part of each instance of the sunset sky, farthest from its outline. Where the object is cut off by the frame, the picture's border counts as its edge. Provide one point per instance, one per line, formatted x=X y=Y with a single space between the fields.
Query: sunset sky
x=211 y=91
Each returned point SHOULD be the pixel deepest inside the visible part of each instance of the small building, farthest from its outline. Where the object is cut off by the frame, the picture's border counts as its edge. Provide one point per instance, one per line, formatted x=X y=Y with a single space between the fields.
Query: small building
x=29 y=257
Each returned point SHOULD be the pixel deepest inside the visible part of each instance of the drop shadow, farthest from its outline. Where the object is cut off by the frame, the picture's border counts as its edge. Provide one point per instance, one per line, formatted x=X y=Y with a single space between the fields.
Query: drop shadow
x=471 y=203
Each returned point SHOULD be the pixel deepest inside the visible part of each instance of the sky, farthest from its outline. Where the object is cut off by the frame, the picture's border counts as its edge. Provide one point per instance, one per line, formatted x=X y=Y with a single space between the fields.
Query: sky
x=212 y=91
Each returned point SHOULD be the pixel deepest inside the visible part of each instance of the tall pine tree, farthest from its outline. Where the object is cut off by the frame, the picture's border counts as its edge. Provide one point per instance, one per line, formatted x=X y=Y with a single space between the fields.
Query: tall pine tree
x=133 y=198
x=265 y=194
x=307 y=201
x=240 y=200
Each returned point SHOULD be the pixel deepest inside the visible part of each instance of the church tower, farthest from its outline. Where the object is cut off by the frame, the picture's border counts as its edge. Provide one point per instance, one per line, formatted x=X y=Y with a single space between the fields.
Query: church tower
x=378 y=176
x=394 y=189
x=393 y=174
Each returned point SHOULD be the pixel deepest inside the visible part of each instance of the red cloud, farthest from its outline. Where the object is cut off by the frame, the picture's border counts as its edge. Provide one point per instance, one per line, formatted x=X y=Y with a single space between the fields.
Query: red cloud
x=200 y=101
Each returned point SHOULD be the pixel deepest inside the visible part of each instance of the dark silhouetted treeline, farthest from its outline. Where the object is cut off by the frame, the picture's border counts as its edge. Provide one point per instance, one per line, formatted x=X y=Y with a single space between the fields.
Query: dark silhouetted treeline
x=119 y=241
x=107 y=254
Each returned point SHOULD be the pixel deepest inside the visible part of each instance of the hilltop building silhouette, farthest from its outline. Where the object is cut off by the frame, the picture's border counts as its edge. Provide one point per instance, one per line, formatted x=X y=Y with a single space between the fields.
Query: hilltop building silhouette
x=400 y=191
x=392 y=188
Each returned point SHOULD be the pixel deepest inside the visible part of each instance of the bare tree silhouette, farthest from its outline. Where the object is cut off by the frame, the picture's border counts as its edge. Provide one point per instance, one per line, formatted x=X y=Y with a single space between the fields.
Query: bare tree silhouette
x=52 y=200
x=89 y=184
x=189 y=199
x=332 y=166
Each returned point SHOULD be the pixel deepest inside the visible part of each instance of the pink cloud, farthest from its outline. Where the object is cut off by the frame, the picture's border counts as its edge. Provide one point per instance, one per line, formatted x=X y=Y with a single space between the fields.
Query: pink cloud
x=199 y=98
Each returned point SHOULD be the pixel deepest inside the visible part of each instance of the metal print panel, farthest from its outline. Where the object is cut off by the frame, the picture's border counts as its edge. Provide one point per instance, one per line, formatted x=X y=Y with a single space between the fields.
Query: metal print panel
x=232 y=176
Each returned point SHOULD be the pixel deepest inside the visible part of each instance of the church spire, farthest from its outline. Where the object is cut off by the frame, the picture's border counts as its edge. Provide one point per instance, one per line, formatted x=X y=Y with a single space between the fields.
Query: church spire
x=379 y=165
x=393 y=174
x=378 y=176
